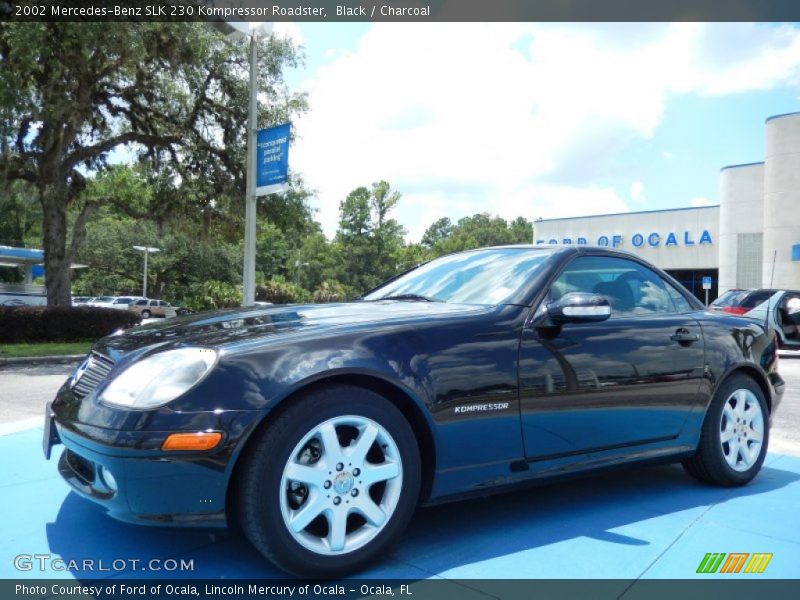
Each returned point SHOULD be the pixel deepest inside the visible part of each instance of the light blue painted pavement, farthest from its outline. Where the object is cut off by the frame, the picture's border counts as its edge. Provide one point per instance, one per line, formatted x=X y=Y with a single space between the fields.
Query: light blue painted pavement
x=653 y=522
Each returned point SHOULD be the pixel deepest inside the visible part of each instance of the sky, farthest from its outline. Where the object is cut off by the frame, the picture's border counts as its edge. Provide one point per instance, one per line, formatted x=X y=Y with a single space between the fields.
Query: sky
x=535 y=120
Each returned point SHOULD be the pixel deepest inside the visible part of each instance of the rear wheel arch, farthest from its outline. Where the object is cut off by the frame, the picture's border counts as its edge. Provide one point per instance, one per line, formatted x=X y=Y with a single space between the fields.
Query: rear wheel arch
x=398 y=397
x=753 y=373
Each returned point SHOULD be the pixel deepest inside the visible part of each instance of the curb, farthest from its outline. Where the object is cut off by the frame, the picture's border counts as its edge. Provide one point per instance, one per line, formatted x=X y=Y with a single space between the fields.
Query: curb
x=41 y=360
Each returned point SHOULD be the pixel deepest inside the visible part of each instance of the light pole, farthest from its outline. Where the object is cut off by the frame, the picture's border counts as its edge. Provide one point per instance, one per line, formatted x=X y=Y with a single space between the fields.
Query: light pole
x=253 y=30
x=297 y=265
x=147 y=250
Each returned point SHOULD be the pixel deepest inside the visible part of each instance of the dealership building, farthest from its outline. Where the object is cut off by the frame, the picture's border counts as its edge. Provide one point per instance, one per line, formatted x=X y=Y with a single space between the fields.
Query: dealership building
x=750 y=240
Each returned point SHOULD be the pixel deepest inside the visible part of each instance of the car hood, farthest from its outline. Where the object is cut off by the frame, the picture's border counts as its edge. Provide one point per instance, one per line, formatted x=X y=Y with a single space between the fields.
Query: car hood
x=232 y=326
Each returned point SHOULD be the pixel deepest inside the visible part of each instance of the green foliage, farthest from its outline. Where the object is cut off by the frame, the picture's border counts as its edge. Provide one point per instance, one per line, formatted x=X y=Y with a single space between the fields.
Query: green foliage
x=115 y=267
x=20 y=215
x=280 y=291
x=212 y=294
x=25 y=349
x=174 y=95
x=330 y=291
x=368 y=240
x=439 y=231
x=477 y=231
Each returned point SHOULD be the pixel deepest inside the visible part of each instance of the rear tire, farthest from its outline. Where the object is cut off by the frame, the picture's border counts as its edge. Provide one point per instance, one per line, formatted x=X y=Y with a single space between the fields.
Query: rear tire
x=735 y=435
x=331 y=483
x=145 y=314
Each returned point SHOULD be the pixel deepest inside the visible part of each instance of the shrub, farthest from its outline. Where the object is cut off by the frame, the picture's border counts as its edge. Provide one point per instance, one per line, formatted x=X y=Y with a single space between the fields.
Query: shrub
x=61 y=323
x=212 y=294
x=279 y=291
x=330 y=291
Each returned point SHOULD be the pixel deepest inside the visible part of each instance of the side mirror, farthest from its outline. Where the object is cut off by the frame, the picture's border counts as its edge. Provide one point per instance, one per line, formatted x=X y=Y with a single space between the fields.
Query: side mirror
x=579 y=307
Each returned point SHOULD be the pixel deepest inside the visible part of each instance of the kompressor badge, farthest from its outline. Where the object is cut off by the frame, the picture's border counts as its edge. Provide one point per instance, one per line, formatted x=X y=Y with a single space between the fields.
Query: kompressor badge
x=490 y=406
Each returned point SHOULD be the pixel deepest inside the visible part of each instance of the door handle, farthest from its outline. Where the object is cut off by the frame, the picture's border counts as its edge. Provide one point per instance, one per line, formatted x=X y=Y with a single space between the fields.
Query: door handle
x=684 y=336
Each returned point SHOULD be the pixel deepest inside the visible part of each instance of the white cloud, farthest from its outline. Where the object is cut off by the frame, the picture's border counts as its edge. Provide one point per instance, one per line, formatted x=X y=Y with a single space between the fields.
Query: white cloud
x=290 y=30
x=637 y=191
x=513 y=118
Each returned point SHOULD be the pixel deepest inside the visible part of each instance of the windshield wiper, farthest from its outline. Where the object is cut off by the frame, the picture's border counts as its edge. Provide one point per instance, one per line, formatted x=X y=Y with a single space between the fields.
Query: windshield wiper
x=413 y=297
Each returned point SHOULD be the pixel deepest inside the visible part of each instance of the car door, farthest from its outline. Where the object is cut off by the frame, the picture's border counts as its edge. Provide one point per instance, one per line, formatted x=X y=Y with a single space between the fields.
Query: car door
x=167 y=310
x=632 y=379
x=788 y=319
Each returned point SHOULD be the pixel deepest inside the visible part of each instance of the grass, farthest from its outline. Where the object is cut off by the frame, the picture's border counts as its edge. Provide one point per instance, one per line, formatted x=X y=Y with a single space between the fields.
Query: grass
x=44 y=349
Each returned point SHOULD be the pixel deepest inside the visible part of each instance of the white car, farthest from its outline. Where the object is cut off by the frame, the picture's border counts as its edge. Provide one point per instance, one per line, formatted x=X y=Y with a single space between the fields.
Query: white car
x=124 y=302
x=102 y=301
x=783 y=306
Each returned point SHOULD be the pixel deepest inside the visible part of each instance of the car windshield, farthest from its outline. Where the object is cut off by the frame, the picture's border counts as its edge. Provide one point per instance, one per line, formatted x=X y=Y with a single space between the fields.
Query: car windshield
x=479 y=277
x=753 y=299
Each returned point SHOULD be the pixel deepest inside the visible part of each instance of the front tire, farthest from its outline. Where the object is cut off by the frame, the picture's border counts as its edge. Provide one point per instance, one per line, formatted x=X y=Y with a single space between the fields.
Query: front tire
x=145 y=314
x=735 y=435
x=331 y=483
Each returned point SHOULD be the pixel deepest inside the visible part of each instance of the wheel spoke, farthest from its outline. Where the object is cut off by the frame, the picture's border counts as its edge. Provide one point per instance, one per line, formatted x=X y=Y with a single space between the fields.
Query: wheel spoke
x=726 y=435
x=376 y=473
x=337 y=525
x=372 y=512
x=741 y=399
x=751 y=452
x=729 y=415
x=750 y=412
x=304 y=474
x=307 y=513
x=755 y=435
x=366 y=438
x=330 y=443
x=733 y=453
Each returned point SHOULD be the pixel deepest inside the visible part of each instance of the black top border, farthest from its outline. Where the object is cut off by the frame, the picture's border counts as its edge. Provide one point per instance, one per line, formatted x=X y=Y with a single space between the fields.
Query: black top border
x=402 y=10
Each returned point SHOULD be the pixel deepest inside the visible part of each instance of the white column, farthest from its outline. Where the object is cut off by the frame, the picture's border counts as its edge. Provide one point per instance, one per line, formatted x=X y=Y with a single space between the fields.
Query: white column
x=741 y=210
x=782 y=201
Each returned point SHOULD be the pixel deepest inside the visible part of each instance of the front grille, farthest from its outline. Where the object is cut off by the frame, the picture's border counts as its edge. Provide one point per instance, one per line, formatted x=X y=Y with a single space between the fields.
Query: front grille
x=95 y=370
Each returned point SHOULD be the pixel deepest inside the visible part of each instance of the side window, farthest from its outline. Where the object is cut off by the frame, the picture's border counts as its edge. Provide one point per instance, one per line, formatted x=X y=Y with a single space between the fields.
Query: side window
x=630 y=288
x=153 y=302
x=141 y=303
x=164 y=303
x=678 y=299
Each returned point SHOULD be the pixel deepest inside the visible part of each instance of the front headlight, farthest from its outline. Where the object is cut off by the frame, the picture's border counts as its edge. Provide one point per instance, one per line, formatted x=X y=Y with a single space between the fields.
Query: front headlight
x=160 y=378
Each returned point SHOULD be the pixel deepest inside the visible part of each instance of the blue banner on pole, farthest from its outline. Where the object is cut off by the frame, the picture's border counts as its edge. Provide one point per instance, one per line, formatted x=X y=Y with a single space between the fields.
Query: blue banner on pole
x=272 y=159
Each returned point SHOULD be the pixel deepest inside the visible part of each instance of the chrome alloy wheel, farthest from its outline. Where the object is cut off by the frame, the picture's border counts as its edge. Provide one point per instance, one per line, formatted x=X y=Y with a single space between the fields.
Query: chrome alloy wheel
x=741 y=430
x=341 y=485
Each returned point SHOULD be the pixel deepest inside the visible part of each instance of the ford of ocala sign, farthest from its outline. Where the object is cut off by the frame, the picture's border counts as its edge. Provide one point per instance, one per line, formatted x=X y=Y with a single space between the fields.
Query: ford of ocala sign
x=653 y=239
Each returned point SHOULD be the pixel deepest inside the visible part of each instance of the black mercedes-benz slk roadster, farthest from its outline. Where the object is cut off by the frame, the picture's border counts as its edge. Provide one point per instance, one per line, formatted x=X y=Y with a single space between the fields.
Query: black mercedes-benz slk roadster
x=317 y=429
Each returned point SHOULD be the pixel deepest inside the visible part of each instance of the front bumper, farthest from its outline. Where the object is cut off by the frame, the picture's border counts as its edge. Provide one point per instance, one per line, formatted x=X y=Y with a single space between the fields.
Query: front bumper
x=147 y=485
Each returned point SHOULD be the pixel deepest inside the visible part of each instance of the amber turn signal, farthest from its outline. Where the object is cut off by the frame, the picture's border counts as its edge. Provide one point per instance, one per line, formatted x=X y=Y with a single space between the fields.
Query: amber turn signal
x=202 y=440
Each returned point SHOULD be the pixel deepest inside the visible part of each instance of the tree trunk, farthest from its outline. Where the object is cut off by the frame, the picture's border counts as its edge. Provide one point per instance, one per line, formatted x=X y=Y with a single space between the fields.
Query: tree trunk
x=54 y=242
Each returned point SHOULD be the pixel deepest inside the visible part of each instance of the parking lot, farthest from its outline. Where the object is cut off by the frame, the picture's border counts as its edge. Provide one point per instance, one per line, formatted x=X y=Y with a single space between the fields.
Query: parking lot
x=653 y=522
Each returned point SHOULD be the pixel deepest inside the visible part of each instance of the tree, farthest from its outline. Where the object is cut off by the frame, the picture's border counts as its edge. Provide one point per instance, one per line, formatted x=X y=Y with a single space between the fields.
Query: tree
x=437 y=232
x=172 y=93
x=477 y=231
x=20 y=214
x=368 y=241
